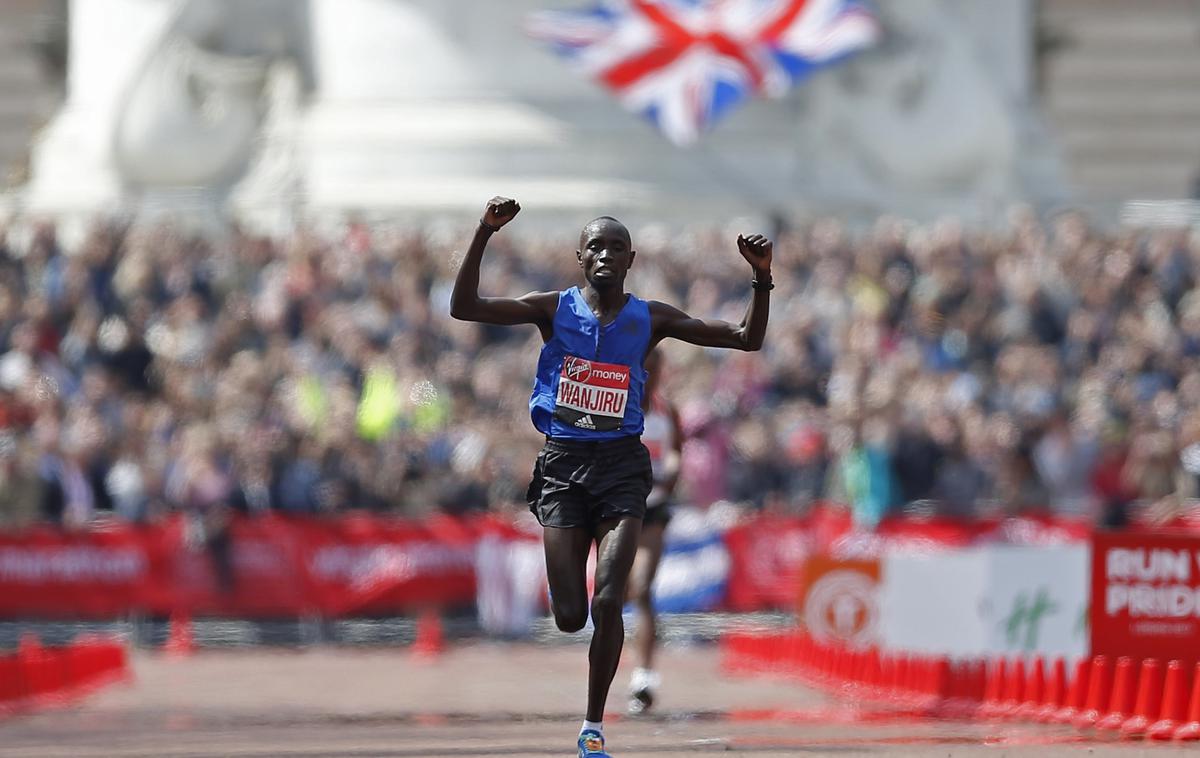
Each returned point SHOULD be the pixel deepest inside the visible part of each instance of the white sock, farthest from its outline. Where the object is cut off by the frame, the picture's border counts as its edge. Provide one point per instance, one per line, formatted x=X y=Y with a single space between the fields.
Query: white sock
x=644 y=679
x=596 y=725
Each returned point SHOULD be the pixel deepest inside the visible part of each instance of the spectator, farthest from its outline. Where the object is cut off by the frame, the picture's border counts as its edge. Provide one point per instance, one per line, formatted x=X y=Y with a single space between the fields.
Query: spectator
x=1043 y=367
x=20 y=486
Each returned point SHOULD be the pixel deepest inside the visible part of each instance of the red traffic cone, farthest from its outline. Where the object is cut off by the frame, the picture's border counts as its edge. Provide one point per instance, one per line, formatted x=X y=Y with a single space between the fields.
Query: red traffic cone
x=875 y=673
x=964 y=689
x=429 y=641
x=903 y=674
x=1121 y=702
x=1149 y=699
x=180 y=641
x=1055 y=693
x=978 y=685
x=1174 y=704
x=1098 y=693
x=1035 y=686
x=1013 y=688
x=1190 y=731
x=941 y=679
x=958 y=688
x=1077 y=691
x=887 y=676
x=993 y=693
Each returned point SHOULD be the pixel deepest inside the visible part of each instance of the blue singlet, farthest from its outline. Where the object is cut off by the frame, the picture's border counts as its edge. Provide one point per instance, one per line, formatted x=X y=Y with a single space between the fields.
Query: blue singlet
x=590 y=377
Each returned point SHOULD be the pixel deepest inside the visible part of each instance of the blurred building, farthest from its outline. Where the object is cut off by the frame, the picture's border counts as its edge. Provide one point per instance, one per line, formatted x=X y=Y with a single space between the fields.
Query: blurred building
x=33 y=51
x=427 y=107
x=1120 y=87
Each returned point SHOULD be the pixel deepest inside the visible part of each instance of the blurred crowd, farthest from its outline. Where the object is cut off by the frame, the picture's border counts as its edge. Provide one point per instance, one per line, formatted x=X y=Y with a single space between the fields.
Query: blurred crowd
x=1046 y=367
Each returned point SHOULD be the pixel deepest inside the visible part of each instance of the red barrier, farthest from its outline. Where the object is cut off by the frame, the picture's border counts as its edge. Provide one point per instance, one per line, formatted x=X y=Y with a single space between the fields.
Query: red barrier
x=12 y=685
x=365 y=564
x=37 y=677
x=268 y=567
x=767 y=557
x=1144 y=590
x=768 y=553
x=98 y=574
x=943 y=688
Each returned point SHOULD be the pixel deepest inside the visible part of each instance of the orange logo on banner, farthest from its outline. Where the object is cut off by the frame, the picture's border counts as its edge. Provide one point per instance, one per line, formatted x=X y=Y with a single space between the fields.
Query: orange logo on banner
x=839 y=599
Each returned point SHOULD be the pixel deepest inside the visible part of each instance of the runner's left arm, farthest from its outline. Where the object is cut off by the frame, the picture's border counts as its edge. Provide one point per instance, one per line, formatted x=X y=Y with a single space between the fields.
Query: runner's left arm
x=667 y=321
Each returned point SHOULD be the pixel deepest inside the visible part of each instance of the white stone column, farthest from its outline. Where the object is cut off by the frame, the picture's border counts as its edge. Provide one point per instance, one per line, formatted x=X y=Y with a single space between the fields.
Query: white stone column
x=412 y=117
x=72 y=158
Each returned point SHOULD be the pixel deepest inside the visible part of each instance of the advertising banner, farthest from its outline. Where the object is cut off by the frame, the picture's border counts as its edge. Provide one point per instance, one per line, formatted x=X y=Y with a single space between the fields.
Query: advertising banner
x=1037 y=600
x=986 y=600
x=839 y=600
x=694 y=573
x=49 y=573
x=767 y=559
x=930 y=602
x=269 y=566
x=1146 y=595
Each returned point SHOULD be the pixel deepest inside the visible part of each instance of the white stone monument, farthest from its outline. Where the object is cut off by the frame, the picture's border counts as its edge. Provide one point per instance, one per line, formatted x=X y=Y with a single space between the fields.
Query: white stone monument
x=421 y=108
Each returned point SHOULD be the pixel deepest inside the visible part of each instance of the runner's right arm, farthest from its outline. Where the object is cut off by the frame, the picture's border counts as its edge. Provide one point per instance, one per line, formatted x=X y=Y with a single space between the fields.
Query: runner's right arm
x=466 y=304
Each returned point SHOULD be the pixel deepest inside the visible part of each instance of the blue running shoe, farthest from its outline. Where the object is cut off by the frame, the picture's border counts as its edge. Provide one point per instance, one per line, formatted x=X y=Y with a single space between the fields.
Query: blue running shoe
x=591 y=744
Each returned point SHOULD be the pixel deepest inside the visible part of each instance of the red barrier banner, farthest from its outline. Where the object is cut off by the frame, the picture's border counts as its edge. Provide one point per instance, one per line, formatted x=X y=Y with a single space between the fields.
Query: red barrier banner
x=767 y=557
x=270 y=566
x=365 y=567
x=255 y=571
x=48 y=573
x=1146 y=595
x=364 y=564
x=768 y=553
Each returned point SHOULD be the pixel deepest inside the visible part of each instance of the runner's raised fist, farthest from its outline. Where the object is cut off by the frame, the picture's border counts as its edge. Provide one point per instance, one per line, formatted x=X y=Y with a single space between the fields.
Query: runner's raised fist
x=500 y=210
x=756 y=249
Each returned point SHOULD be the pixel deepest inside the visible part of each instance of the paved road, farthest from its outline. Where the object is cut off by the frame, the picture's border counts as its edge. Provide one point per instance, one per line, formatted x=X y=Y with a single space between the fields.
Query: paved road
x=484 y=700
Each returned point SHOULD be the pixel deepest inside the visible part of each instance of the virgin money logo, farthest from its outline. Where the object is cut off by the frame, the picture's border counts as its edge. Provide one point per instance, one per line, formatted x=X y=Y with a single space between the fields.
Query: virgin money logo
x=577 y=369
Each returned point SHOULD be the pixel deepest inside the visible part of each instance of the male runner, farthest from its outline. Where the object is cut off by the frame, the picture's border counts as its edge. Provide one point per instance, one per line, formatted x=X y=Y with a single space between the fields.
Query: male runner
x=663 y=438
x=591 y=480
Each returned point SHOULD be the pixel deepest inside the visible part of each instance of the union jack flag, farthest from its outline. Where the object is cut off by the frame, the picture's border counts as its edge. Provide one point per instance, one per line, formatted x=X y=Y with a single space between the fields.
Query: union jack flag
x=685 y=63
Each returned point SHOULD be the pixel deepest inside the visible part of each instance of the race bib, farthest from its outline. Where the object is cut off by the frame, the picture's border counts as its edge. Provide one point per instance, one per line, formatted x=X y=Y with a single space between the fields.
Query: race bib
x=592 y=395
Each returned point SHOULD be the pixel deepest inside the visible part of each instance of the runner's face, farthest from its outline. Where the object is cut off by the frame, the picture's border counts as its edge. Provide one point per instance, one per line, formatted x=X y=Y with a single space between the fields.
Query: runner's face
x=604 y=253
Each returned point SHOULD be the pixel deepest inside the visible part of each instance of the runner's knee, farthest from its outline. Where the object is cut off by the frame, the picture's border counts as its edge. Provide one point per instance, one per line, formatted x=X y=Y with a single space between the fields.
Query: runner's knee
x=606 y=604
x=569 y=618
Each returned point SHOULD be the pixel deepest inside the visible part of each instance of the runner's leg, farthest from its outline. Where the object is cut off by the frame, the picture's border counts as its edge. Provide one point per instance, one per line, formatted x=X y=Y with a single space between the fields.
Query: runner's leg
x=618 y=541
x=641 y=579
x=566 y=570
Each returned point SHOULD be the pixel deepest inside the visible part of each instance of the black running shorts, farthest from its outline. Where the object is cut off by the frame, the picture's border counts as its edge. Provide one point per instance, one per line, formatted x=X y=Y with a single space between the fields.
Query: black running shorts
x=578 y=483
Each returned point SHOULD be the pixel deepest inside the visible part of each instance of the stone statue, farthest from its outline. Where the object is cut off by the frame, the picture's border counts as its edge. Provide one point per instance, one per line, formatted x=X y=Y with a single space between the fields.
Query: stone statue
x=191 y=117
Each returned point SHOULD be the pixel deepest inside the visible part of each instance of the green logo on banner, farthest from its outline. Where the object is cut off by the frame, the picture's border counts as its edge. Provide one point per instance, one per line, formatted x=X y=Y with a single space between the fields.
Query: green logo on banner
x=1025 y=619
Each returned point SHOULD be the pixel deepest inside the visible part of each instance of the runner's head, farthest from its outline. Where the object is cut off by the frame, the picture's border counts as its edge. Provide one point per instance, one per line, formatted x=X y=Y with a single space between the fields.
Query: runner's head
x=605 y=252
